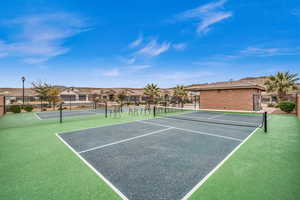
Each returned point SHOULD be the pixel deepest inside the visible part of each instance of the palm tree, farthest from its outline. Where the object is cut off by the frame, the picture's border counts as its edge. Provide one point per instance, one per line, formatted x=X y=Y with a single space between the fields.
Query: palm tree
x=152 y=91
x=282 y=83
x=121 y=96
x=180 y=93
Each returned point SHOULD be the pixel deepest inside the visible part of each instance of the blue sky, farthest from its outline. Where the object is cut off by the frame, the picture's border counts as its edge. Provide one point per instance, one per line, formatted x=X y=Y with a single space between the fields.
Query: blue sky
x=132 y=43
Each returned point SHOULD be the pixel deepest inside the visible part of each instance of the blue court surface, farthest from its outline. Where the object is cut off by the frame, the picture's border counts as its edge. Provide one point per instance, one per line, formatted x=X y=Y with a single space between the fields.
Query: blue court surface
x=68 y=113
x=160 y=158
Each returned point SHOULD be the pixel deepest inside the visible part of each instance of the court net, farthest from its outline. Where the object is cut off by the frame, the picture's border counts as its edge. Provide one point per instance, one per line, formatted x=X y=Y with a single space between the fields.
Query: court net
x=214 y=117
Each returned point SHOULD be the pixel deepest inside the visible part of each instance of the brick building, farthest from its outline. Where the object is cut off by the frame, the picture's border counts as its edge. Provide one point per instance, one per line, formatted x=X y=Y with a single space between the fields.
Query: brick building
x=2 y=107
x=230 y=96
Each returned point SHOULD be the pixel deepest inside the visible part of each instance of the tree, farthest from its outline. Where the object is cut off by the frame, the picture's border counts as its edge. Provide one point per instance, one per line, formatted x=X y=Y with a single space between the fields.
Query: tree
x=41 y=89
x=180 y=93
x=121 y=96
x=282 y=83
x=53 y=96
x=152 y=91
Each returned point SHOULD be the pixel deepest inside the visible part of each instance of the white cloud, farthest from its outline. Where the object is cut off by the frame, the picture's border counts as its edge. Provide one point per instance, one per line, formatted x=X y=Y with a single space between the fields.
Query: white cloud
x=255 y=51
x=206 y=15
x=34 y=60
x=266 y=52
x=131 y=60
x=179 y=46
x=137 y=42
x=2 y=55
x=138 y=67
x=153 y=48
x=42 y=36
x=112 y=73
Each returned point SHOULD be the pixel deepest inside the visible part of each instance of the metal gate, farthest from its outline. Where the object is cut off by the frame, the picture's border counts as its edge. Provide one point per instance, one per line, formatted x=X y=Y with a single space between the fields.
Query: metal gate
x=257 y=102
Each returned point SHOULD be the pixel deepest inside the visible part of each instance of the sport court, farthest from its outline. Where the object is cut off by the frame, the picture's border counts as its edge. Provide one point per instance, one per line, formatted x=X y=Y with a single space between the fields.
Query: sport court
x=69 y=113
x=162 y=158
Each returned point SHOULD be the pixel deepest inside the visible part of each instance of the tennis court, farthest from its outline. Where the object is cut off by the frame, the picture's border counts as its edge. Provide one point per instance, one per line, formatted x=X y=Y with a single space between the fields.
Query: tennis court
x=167 y=157
x=111 y=111
x=69 y=113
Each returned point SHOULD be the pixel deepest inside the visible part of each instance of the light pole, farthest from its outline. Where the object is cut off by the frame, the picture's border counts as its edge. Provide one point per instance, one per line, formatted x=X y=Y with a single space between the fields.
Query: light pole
x=23 y=91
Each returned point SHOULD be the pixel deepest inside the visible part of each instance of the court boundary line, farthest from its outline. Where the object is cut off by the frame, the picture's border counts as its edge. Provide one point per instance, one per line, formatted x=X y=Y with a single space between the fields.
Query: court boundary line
x=216 y=116
x=192 y=131
x=125 y=140
x=37 y=116
x=202 y=181
x=107 y=125
x=115 y=189
x=189 y=194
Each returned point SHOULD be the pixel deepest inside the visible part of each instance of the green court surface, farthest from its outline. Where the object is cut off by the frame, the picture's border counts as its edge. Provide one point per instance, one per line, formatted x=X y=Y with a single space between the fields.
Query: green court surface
x=35 y=164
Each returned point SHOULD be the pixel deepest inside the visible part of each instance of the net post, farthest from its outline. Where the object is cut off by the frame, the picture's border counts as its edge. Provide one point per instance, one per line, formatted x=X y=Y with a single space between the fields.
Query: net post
x=265 y=122
x=60 y=113
x=105 y=109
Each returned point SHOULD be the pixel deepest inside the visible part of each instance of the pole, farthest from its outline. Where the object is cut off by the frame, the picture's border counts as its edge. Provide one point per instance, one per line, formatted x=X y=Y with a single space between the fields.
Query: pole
x=70 y=102
x=41 y=104
x=165 y=107
x=265 y=122
x=23 y=89
x=23 y=93
x=60 y=113
x=105 y=109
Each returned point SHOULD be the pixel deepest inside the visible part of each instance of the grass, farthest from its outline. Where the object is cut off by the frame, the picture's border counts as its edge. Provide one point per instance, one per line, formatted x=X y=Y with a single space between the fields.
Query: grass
x=35 y=165
x=266 y=167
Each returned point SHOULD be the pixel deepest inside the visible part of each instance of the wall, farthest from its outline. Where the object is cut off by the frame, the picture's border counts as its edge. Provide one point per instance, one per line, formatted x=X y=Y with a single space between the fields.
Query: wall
x=2 y=101
x=233 y=99
x=298 y=106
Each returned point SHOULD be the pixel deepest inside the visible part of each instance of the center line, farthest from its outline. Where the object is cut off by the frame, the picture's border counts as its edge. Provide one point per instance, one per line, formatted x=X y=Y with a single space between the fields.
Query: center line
x=126 y=140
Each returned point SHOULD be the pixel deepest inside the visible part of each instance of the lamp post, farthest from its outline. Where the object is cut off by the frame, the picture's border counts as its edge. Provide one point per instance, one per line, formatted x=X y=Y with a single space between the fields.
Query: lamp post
x=23 y=91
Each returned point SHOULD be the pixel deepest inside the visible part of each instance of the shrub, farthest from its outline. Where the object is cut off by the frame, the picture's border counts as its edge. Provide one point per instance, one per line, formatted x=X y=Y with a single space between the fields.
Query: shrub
x=287 y=106
x=15 y=109
x=28 y=108
x=271 y=105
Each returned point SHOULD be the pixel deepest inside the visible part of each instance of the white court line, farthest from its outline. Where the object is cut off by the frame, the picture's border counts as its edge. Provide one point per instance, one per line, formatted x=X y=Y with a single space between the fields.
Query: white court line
x=37 y=116
x=192 y=131
x=189 y=194
x=213 y=117
x=94 y=170
x=126 y=140
x=80 y=131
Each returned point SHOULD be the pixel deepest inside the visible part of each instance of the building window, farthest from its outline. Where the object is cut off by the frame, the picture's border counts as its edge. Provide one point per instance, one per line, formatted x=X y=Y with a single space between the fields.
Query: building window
x=82 y=97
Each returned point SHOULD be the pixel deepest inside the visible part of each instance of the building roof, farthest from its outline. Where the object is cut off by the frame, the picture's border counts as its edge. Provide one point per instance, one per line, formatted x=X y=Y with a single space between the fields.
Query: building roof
x=227 y=86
